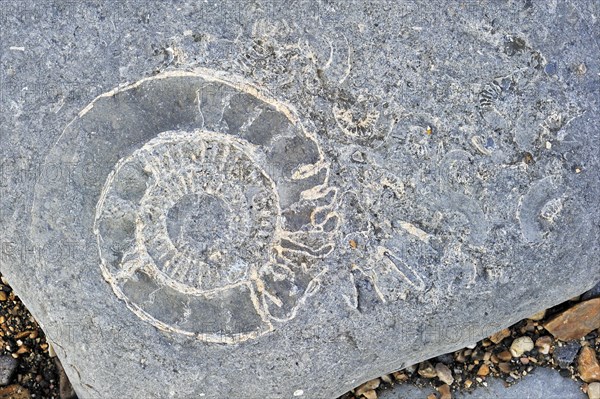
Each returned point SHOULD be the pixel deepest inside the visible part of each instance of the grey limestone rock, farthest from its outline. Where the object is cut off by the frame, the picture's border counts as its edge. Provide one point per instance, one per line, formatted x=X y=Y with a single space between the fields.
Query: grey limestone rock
x=273 y=199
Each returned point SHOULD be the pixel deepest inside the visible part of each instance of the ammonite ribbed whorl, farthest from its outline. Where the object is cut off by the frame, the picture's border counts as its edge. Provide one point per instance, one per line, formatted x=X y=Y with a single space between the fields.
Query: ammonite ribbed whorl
x=213 y=217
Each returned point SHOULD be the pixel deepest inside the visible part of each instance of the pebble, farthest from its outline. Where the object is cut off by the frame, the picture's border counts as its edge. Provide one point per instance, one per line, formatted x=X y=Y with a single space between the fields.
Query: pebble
x=500 y=335
x=3 y=296
x=8 y=364
x=445 y=391
x=544 y=343
x=387 y=379
x=520 y=346
x=594 y=390
x=370 y=394
x=426 y=370
x=367 y=386
x=565 y=354
x=400 y=376
x=444 y=373
x=505 y=367
x=587 y=365
x=576 y=322
x=483 y=371
x=504 y=356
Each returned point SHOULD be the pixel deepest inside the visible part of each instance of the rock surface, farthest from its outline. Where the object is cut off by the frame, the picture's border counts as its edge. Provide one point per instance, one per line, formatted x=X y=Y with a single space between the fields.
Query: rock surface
x=292 y=201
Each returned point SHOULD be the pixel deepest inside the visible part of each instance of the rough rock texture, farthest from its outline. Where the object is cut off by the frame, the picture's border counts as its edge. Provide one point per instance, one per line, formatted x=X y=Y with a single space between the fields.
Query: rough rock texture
x=265 y=199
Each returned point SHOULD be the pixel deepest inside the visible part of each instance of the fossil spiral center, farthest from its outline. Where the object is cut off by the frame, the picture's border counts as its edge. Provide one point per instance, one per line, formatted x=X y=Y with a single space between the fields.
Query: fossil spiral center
x=199 y=224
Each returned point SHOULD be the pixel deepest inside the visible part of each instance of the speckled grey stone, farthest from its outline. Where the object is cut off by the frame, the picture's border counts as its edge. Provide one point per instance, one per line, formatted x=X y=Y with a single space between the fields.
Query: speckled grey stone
x=275 y=199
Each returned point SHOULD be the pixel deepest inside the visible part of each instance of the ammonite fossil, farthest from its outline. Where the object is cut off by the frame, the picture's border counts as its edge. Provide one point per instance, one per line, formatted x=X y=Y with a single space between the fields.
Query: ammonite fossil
x=211 y=221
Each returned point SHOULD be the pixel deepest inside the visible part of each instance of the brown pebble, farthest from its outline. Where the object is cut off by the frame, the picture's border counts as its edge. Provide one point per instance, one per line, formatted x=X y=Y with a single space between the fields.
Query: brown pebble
x=431 y=396
x=544 y=344
x=445 y=391
x=23 y=349
x=500 y=335
x=468 y=384
x=370 y=394
x=483 y=371
x=367 y=386
x=587 y=365
x=400 y=376
x=504 y=356
x=426 y=370
x=576 y=321
x=487 y=356
x=524 y=360
x=3 y=296
x=505 y=367
x=386 y=378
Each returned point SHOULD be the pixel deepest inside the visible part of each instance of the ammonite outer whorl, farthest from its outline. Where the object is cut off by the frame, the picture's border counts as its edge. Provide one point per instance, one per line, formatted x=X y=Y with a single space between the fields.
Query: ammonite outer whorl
x=204 y=214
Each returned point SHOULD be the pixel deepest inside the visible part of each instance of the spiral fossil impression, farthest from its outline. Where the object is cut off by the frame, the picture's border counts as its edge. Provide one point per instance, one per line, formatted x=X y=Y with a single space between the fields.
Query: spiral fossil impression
x=201 y=219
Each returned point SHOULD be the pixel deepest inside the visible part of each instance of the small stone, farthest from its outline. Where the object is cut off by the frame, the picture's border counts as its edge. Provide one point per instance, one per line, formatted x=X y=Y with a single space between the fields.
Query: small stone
x=487 y=356
x=431 y=396
x=3 y=296
x=7 y=366
x=544 y=344
x=367 y=386
x=444 y=373
x=400 y=376
x=505 y=367
x=445 y=391
x=581 y=69
x=426 y=370
x=483 y=371
x=565 y=354
x=576 y=321
x=370 y=394
x=520 y=346
x=387 y=379
x=500 y=335
x=540 y=315
x=504 y=356
x=587 y=365
x=524 y=360
x=594 y=390
x=468 y=384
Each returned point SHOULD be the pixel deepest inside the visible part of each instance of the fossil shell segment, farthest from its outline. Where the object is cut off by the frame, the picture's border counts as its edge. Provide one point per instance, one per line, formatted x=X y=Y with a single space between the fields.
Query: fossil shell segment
x=201 y=220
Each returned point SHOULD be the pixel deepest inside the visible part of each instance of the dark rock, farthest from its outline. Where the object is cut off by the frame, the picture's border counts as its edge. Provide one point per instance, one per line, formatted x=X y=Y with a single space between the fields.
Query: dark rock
x=593 y=293
x=565 y=355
